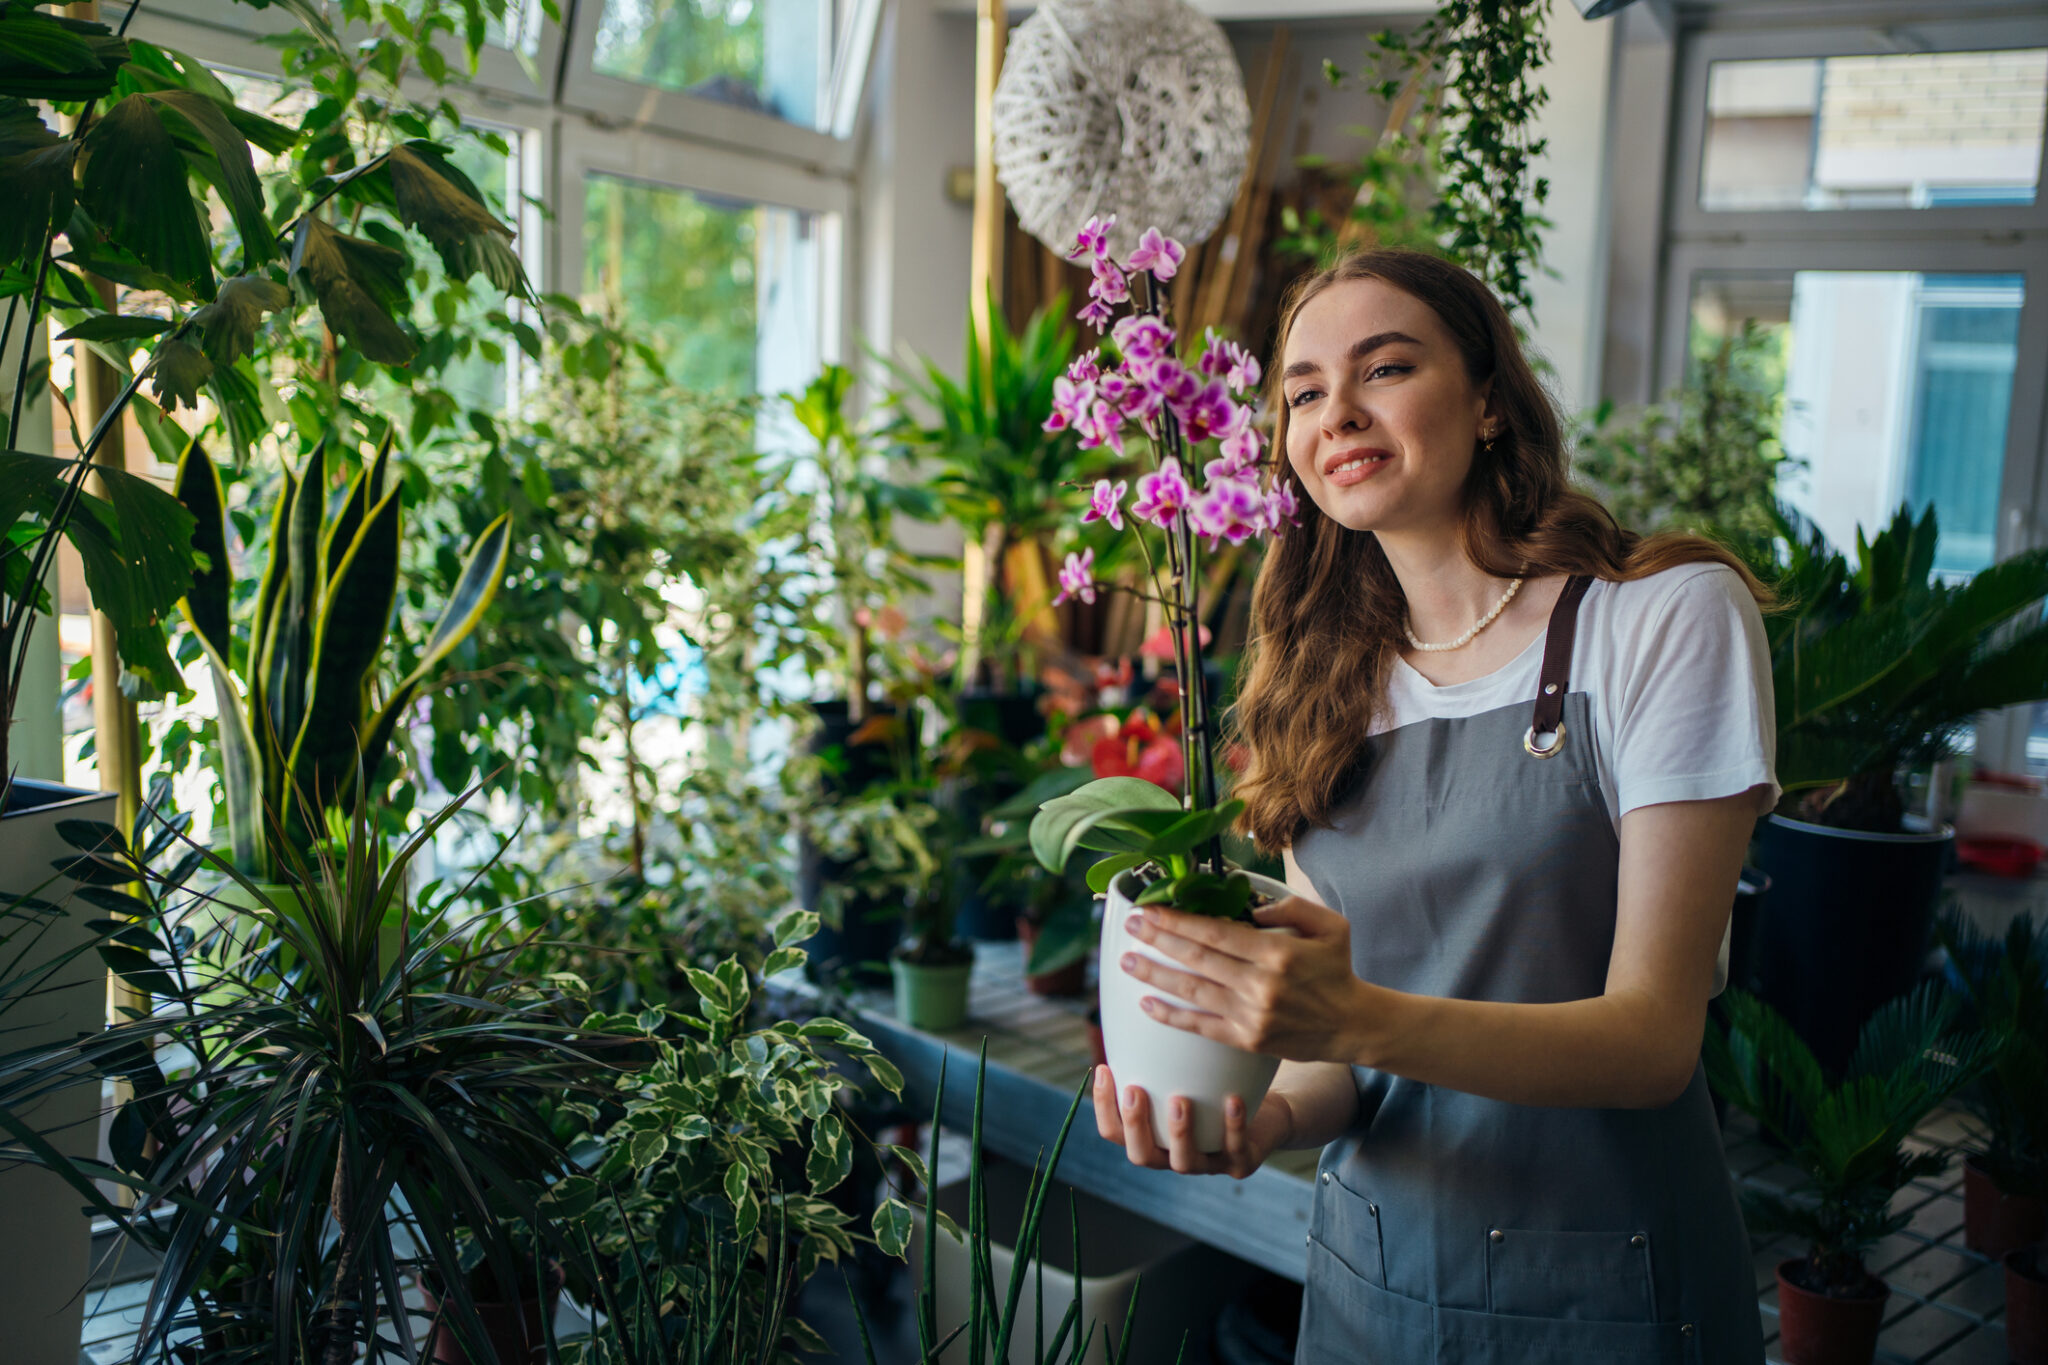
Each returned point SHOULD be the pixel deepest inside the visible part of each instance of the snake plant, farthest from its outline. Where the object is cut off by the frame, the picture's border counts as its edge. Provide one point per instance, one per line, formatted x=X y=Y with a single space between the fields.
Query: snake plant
x=303 y=719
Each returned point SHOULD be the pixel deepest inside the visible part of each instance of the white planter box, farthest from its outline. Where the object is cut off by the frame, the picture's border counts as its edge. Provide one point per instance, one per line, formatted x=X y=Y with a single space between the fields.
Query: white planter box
x=45 y=1234
x=1184 y=1281
x=1164 y=1061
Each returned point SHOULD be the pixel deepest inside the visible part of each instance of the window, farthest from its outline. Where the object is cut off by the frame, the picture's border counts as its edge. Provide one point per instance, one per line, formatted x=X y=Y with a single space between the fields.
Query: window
x=770 y=56
x=730 y=288
x=1901 y=130
x=1876 y=211
x=1897 y=387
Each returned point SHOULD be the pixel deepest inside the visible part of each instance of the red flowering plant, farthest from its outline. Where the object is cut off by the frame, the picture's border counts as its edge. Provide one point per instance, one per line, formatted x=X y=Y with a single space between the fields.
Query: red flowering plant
x=1180 y=402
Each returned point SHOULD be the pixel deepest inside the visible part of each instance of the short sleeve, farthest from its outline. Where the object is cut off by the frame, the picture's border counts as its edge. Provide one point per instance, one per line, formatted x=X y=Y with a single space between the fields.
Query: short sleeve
x=1693 y=715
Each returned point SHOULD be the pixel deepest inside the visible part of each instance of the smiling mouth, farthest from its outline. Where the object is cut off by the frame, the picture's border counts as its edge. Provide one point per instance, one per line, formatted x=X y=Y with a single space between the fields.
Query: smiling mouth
x=1364 y=460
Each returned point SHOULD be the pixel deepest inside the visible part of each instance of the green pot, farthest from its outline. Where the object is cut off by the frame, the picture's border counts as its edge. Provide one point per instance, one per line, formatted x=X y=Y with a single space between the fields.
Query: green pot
x=932 y=998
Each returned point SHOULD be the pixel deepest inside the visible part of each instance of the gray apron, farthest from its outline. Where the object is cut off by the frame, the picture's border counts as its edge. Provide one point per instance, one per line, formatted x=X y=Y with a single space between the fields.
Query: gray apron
x=1476 y=860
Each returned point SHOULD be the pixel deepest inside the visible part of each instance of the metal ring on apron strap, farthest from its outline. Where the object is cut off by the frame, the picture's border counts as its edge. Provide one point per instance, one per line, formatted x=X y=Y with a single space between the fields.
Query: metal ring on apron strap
x=1556 y=742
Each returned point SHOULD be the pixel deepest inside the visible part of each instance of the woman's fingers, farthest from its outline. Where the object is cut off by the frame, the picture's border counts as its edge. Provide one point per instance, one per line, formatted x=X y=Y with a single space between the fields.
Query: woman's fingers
x=1238 y=1158
x=1180 y=1138
x=1137 y=1121
x=1108 y=1122
x=1199 y=990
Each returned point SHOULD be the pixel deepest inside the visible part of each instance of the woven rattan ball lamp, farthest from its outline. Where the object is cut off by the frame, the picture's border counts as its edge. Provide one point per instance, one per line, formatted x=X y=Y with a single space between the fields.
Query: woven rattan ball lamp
x=1130 y=107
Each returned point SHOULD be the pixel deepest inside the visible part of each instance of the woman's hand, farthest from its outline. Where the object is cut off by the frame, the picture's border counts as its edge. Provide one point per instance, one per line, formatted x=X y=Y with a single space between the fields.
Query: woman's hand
x=1289 y=996
x=1245 y=1147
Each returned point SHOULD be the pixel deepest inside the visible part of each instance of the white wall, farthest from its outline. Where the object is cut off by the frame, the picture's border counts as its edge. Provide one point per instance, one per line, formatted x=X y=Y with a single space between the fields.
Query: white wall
x=1571 y=306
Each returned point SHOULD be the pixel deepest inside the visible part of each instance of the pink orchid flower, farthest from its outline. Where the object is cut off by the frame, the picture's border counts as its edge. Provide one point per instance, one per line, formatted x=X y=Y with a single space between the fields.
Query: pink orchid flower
x=1093 y=238
x=1162 y=495
x=1228 y=509
x=1107 y=504
x=1158 y=253
x=1242 y=443
x=1069 y=404
x=1281 y=508
x=1077 y=578
x=1109 y=284
x=1096 y=313
x=1208 y=412
x=1143 y=336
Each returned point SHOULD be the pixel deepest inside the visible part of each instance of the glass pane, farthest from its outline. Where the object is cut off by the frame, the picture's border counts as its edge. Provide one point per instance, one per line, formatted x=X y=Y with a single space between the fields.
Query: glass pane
x=2037 y=741
x=1905 y=130
x=773 y=56
x=1898 y=388
x=730 y=290
x=519 y=30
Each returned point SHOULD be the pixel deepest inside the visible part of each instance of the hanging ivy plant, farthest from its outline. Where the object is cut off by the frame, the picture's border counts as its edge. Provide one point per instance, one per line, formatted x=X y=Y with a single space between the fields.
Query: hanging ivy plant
x=1463 y=94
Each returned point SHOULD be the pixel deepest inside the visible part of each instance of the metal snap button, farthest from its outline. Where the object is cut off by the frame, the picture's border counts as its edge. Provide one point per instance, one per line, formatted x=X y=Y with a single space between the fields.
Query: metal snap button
x=1373 y=1209
x=1685 y=1329
x=1309 y=1240
x=1639 y=1241
x=1550 y=689
x=1327 y=1177
x=1496 y=1236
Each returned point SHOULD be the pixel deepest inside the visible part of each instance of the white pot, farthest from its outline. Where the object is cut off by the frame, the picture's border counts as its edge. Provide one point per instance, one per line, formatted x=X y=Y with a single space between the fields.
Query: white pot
x=45 y=1235
x=1164 y=1061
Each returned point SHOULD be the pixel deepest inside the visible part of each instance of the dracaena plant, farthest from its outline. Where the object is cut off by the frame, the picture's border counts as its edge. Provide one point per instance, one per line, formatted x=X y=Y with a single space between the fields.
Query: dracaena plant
x=322 y=1094
x=1176 y=406
x=304 y=716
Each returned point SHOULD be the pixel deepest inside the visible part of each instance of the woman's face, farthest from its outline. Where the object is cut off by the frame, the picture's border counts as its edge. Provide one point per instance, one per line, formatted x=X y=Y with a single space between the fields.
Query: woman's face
x=1381 y=415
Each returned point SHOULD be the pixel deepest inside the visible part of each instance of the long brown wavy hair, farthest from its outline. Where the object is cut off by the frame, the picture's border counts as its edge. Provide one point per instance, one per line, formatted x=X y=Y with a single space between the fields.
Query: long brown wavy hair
x=1328 y=614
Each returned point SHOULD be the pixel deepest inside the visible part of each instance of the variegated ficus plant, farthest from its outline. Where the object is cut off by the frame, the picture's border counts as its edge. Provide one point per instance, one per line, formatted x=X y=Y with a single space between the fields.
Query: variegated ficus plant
x=1181 y=402
x=303 y=718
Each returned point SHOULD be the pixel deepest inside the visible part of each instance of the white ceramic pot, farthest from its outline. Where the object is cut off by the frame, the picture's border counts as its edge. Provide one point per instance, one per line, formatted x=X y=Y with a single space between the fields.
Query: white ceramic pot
x=1164 y=1061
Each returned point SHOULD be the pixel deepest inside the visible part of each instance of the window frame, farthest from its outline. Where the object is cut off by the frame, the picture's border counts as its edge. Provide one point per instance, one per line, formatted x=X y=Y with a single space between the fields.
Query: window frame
x=672 y=164
x=624 y=103
x=1685 y=218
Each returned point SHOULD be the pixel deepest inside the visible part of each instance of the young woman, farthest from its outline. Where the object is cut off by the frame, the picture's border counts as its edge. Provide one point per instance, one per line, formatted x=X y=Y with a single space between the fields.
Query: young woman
x=1513 y=755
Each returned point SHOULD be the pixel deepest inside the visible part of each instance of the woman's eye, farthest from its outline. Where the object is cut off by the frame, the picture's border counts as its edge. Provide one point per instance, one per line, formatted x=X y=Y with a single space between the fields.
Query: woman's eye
x=1379 y=370
x=1302 y=397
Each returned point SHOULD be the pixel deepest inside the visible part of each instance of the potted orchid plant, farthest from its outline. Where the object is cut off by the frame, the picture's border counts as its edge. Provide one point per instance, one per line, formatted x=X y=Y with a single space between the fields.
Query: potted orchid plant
x=1162 y=848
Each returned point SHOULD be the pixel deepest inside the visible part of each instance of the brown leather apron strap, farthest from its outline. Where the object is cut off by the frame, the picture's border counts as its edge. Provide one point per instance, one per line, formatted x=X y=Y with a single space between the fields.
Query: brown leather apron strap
x=1555 y=680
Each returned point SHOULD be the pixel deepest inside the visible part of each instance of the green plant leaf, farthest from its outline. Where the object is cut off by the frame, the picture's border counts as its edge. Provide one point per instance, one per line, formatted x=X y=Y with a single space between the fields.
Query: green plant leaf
x=117 y=327
x=134 y=185
x=227 y=326
x=1105 y=870
x=197 y=488
x=36 y=167
x=50 y=57
x=831 y=1157
x=237 y=172
x=179 y=370
x=892 y=1224
x=360 y=286
x=349 y=628
x=1058 y=828
x=448 y=210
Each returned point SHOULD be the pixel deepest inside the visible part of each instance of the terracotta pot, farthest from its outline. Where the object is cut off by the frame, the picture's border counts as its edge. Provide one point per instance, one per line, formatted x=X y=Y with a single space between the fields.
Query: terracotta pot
x=1995 y=1222
x=2026 y=1308
x=1071 y=979
x=515 y=1330
x=1815 y=1329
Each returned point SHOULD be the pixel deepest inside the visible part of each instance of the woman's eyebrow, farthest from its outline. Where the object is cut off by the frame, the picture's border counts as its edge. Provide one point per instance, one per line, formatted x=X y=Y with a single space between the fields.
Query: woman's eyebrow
x=1360 y=349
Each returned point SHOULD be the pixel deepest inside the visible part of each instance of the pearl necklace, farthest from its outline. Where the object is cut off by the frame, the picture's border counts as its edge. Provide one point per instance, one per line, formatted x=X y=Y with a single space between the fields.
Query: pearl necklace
x=1514 y=586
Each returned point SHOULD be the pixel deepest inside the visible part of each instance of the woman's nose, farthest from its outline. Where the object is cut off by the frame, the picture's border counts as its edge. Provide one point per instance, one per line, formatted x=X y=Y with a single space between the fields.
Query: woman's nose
x=1341 y=414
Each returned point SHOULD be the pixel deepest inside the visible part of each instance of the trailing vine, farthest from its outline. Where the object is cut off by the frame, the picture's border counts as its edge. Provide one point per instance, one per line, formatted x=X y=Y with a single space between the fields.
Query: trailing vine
x=1463 y=95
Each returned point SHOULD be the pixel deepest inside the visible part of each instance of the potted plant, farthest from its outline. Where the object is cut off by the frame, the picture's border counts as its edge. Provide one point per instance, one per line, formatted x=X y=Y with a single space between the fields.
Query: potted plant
x=1876 y=669
x=1848 y=1140
x=1163 y=850
x=352 y=1072
x=932 y=966
x=2004 y=986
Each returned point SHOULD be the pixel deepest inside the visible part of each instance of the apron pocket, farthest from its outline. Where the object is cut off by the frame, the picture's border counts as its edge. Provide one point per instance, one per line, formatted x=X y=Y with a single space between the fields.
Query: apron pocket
x=1578 y=1276
x=1347 y=1320
x=1348 y=1226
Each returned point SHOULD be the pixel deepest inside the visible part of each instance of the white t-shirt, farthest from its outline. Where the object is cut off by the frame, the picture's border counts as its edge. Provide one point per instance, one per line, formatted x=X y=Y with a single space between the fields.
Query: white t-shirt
x=1679 y=676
